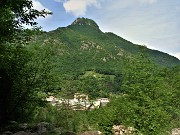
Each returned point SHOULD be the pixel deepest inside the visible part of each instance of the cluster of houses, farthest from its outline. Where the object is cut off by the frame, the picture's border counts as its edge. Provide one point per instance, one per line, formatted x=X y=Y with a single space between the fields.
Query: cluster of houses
x=79 y=102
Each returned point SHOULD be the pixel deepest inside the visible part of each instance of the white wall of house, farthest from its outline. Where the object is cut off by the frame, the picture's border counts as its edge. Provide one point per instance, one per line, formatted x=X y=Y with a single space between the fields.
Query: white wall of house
x=79 y=99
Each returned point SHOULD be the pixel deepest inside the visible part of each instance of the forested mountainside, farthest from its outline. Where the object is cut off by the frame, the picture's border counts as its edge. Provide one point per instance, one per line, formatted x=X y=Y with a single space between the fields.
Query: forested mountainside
x=82 y=47
x=84 y=41
x=141 y=84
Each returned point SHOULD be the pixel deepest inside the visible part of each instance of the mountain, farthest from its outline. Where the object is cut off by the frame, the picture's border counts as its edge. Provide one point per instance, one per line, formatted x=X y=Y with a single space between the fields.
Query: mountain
x=142 y=84
x=82 y=48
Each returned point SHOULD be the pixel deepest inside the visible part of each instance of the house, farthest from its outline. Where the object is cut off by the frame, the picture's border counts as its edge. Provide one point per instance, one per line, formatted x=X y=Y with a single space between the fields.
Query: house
x=50 y=98
x=97 y=104
x=78 y=96
x=79 y=102
x=103 y=101
x=53 y=100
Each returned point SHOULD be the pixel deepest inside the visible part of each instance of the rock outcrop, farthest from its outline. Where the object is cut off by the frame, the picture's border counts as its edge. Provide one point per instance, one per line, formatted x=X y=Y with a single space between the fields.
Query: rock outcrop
x=176 y=131
x=122 y=130
x=42 y=128
x=92 y=133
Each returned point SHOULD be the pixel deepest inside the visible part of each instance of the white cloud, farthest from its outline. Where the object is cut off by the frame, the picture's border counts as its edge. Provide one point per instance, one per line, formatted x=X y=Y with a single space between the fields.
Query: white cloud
x=37 y=5
x=154 y=25
x=177 y=55
x=78 y=7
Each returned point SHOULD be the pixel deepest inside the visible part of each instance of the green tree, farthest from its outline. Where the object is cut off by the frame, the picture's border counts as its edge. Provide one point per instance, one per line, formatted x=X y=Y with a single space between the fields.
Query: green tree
x=16 y=75
x=146 y=91
x=171 y=79
x=14 y=14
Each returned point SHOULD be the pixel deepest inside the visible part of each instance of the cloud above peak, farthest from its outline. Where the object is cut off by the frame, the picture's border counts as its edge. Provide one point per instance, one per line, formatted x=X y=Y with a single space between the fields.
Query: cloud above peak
x=78 y=7
x=37 y=5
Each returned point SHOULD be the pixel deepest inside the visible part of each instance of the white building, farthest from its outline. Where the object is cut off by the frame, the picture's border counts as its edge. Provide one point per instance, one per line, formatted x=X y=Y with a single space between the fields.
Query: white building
x=80 y=102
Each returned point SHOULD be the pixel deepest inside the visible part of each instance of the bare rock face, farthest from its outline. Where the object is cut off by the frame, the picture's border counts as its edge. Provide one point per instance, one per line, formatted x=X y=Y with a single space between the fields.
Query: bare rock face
x=42 y=127
x=92 y=133
x=25 y=133
x=176 y=131
x=7 y=133
x=122 y=130
x=86 y=22
x=69 y=133
x=23 y=126
x=21 y=133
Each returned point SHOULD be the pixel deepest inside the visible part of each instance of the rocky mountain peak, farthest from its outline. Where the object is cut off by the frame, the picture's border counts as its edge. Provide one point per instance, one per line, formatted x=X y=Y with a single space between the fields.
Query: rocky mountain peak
x=85 y=21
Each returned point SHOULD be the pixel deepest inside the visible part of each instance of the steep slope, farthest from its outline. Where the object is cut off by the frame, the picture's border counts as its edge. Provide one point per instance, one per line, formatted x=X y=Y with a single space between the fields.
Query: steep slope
x=83 y=46
x=83 y=59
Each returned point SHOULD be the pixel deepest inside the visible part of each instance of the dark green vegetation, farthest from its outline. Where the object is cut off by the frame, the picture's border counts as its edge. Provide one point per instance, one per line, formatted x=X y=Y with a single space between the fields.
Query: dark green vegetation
x=143 y=84
x=19 y=75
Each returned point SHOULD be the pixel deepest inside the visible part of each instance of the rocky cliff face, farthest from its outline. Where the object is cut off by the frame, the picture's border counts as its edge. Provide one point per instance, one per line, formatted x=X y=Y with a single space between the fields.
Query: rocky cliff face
x=176 y=131
x=85 y=21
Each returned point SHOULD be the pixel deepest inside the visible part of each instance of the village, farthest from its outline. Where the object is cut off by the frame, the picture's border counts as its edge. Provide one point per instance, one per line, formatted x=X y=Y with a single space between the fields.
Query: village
x=79 y=102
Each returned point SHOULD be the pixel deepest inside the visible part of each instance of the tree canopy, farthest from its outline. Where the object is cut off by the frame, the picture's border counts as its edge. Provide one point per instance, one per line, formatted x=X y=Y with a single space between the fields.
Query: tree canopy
x=16 y=73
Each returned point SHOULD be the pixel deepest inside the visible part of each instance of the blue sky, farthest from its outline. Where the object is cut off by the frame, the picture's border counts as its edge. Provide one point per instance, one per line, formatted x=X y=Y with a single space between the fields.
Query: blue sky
x=154 y=23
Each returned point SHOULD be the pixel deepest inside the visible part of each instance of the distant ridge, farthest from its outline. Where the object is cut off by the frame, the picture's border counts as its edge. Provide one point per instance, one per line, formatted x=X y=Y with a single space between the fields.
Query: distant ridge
x=84 y=43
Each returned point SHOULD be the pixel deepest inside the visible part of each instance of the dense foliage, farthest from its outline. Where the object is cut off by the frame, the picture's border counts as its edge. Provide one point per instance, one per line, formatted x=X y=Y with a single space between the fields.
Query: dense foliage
x=18 y=71
x=143 y=94
x=143 y=85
